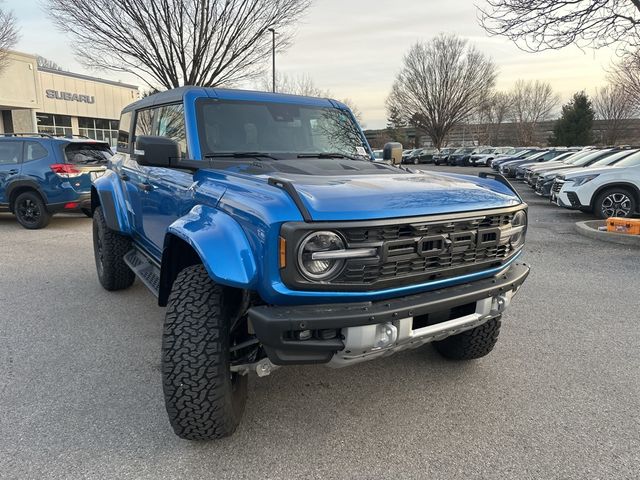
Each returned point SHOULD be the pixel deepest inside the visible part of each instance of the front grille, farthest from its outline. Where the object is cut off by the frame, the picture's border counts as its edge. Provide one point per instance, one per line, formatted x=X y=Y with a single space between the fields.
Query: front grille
x=416 y=251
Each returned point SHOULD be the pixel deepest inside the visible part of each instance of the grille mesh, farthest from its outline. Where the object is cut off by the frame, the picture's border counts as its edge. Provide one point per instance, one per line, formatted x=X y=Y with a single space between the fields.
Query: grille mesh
x=430 y=250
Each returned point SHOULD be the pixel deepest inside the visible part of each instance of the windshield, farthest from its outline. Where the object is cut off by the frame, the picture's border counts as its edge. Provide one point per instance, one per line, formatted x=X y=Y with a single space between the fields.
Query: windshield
x=577 y=156
x=592 y=158
x=87 y=153
x=486 y=151
x=611 y=159
x=631 y=161
x=228 y=127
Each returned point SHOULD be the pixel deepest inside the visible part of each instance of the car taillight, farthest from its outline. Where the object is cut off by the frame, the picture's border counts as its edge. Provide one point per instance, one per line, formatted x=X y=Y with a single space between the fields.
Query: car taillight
x=65 y=170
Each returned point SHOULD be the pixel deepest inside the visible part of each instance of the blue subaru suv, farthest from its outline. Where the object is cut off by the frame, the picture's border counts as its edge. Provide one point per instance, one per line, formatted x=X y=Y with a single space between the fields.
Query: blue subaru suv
x=264 y=225
x=42 y=175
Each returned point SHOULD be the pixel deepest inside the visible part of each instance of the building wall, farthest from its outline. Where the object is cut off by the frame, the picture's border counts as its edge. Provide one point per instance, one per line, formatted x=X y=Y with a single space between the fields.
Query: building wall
x=19 y=83
x=78 y=96
x=27 y=93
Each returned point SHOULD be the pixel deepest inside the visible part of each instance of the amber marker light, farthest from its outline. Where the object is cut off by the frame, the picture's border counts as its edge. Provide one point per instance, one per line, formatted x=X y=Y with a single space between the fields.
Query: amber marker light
x=282 y=247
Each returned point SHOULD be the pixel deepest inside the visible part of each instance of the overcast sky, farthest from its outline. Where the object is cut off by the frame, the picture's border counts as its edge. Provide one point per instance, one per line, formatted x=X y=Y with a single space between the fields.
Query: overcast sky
x=354 y=48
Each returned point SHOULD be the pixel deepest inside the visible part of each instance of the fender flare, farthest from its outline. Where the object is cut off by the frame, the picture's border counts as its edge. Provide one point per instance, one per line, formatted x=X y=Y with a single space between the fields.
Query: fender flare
x=24 y=183
x=221 y=244
x=106 y=192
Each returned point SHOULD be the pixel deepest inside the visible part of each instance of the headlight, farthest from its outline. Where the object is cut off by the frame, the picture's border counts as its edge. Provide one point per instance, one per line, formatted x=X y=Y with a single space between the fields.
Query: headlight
x=577 y=181
x=518 y=228
x=550 y=177
x=319 y=268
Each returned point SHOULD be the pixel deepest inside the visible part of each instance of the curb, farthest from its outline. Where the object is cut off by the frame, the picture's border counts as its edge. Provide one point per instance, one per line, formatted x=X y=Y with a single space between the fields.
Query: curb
x=590 y=229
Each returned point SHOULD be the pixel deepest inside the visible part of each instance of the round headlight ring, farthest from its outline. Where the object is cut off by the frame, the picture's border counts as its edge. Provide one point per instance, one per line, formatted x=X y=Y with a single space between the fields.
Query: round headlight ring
x=321 y=241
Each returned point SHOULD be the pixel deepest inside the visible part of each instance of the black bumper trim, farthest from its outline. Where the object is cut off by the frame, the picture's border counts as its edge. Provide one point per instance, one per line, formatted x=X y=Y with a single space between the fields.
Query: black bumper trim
x=83 y=201
x=271 y=323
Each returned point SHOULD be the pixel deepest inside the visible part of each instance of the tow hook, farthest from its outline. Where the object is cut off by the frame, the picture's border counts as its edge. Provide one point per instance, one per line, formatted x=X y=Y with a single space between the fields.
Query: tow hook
x=262 y=368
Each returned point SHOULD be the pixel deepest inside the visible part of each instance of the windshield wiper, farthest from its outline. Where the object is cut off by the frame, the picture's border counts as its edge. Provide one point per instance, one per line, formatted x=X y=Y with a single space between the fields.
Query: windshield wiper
x=257 y=155
x=327 y=155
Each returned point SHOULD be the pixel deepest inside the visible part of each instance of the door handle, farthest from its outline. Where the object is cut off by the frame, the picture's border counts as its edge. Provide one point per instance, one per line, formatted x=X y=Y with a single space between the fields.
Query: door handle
x=146 y=187
x=124 y=177
x=13 y=171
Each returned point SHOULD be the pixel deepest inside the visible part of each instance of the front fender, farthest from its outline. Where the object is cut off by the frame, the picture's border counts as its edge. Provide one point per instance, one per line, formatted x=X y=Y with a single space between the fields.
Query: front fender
x=106 y=191
x=220 y=243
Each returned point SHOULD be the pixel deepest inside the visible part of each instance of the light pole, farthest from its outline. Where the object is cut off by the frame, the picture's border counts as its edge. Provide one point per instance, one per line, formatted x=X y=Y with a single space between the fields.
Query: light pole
x=273 y=54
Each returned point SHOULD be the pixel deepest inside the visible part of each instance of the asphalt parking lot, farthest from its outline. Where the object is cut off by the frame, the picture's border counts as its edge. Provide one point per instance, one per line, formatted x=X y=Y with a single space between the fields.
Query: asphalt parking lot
x=81 y=395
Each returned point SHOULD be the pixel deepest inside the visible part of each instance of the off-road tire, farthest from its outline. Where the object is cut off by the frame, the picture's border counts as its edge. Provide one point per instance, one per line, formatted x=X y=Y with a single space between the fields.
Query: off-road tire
x=109 y=249
x=474 y=343
x=204 y=400
x=598 y=204
x=30 y=211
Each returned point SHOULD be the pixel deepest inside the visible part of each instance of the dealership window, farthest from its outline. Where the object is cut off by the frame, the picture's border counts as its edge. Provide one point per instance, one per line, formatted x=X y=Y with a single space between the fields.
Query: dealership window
x=99 y=129
x=54 y=124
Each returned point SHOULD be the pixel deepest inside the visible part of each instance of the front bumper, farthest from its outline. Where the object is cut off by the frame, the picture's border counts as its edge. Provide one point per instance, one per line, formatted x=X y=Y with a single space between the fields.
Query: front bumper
x=278 y=327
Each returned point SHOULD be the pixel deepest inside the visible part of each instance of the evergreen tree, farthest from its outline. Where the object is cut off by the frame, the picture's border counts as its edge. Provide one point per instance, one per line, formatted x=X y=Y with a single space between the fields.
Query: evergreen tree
x=573 y=128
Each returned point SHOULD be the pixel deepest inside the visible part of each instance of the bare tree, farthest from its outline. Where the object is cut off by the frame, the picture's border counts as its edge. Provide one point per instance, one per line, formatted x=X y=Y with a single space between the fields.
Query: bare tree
x=533 y=102
x=614 y=107
x=304 y=85
x=46 y=63
x=170 y=43
x=440 y=84
x=492 y=113
x=536 y=25
x=8 y=34
x=293 y=84
x=625 y=75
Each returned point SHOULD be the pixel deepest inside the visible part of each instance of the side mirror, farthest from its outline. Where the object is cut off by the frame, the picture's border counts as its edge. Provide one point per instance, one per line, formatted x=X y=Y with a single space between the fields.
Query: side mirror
x=393 y=152
x=151 y=151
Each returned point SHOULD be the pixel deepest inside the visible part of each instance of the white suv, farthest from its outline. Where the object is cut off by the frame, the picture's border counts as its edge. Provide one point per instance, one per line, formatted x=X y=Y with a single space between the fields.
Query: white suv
x=607 y=192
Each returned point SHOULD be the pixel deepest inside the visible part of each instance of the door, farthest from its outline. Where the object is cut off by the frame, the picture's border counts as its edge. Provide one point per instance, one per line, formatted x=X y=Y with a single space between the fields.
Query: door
x=10 y=165
x=167 y=190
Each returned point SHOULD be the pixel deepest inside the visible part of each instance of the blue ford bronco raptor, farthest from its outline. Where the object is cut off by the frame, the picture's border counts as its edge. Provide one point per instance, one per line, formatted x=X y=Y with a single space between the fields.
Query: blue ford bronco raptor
x=264 y=225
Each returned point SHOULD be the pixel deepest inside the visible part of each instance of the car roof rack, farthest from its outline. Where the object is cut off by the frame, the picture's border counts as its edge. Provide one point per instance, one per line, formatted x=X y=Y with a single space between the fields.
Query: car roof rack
x=72 y=135
x=26 y=134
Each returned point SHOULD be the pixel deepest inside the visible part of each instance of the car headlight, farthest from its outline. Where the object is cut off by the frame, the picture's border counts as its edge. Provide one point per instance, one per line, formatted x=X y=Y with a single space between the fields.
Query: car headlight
x=518 y=229
x=577 y=181
x=550 y=177
x=319 y=267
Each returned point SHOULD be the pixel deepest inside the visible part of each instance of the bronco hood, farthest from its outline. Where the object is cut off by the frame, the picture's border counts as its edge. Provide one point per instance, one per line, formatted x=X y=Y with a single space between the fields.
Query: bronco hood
x=363 y=197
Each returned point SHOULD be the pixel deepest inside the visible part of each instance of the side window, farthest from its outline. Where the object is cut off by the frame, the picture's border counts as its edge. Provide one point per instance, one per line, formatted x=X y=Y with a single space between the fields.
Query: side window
x=144 y=123
x=170 y=123
x=34 y=151
x=10 y=152
x=123 y=132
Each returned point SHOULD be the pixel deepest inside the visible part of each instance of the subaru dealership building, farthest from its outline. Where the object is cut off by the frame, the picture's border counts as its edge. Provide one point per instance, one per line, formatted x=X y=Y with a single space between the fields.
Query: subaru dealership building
x=39 y=100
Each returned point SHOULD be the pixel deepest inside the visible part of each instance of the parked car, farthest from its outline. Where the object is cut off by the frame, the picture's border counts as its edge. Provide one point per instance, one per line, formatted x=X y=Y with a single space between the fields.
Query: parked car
x=531 y=172
x=545 y=177
x=406 y=154
x=510 y=152
x=610 y=191
x=519 y=155
x=486 y=155
x=460 y=156
x=421 y=155
x=281 y=245
x=508 y=169
x=41 y=175
x=442 y=157
x=522 y=167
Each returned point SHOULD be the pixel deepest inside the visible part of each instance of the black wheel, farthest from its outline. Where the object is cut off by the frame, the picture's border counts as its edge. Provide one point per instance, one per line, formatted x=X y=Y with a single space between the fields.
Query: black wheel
x=474 y=343
x=204 y=399
x=416 y=161
x=436 y=162
x=87 y=212
x=615 y=202
x=31 y=211
x=109 y=249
